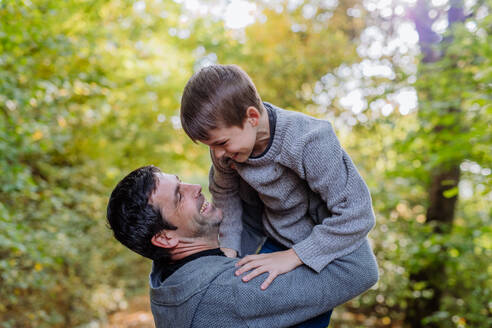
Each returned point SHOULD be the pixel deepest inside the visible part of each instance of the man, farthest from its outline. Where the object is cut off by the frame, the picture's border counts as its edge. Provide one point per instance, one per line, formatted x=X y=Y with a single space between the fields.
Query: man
x=192 y=283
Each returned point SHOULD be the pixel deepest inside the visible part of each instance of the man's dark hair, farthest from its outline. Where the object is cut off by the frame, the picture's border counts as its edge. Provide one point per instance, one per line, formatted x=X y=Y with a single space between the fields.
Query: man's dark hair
x=217 y=96
x=133 y=220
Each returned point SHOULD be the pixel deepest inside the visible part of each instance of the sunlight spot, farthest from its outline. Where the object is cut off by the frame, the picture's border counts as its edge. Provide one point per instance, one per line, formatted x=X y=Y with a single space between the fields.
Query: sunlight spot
x=376 y=68
x=176 y=122
x=196 y=7
x=377 y=104
x=293 y=4
x=329 y=4
x=399 y=10
x=240 y=14
x=407 y=100
x=308 y=11
x=471 y=26
x=382 y=4
x=375 y=50
x=11 y=105
x=438 y=3
x=323 y=99
x=298 y=28
x=440 y=25
x=386 y=12
x=354 y=100
x=410 y=2
x=362 y=118
x=354 y=12
x=408 y=34
x=344 y=71
x=139 y=6
x=465 y=189
x=387 y=109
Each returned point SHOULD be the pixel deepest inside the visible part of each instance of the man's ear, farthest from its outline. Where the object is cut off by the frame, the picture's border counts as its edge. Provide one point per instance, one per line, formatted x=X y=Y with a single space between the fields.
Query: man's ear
x=165 y=239
x=253 y=115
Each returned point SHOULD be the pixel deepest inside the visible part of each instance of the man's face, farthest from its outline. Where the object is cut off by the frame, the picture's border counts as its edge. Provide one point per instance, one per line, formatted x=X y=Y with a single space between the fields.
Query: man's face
x=232 y=142
x=184 y=206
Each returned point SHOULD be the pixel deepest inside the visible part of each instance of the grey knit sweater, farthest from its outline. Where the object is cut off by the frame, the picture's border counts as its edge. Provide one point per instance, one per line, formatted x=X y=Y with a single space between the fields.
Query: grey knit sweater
x=315 y=200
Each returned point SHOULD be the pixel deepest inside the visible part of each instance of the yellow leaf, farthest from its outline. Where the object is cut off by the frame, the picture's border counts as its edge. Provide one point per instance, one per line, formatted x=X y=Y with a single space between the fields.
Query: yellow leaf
x=37 y=135
x=61 y=122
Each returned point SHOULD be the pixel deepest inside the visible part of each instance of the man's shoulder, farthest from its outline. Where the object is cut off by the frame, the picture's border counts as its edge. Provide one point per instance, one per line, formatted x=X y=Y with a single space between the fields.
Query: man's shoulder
x=180 y=301
x=192 y=277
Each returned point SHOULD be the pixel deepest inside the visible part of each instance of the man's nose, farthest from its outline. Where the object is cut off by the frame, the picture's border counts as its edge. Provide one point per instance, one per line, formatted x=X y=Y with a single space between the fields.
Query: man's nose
x=198 y=190
x=195 y=189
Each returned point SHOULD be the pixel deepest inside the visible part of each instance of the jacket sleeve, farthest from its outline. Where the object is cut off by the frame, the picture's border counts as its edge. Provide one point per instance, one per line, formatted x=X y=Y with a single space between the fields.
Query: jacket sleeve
x=302 y=294
x=329 y=172
x=224 y=187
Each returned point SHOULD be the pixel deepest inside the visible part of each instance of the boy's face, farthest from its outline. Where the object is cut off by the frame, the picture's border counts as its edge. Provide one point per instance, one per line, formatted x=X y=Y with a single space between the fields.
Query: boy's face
x=232 y=142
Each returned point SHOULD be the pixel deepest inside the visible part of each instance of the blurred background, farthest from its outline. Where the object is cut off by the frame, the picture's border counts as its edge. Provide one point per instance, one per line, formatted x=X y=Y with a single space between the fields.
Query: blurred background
x=90 y=90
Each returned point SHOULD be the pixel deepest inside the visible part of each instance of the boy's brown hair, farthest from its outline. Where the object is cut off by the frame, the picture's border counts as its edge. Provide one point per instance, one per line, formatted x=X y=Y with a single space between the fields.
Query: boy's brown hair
x=217 y=96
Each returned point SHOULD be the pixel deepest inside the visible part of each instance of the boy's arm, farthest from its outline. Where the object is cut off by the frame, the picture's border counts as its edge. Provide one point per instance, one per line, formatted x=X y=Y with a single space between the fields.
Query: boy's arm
x=224 y=187
x=329 y=172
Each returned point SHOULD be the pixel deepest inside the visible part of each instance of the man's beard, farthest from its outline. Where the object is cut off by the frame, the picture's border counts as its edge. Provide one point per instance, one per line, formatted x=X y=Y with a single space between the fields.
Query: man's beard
x=206 y=227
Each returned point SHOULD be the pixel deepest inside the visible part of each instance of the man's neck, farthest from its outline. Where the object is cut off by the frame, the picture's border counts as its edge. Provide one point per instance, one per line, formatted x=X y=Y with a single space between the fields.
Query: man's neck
x=185 y=248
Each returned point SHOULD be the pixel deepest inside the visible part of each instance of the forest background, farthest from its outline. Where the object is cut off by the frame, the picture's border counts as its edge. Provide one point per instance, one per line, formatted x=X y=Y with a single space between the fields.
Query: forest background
x=90 y=90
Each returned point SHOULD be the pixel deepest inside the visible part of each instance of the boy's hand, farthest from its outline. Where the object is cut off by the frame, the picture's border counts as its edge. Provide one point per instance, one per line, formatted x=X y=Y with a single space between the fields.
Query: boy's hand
x=229 y=252
x=274 y=263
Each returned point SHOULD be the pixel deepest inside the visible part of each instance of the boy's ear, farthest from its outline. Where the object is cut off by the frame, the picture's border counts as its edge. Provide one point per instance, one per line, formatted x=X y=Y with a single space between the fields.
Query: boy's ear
x=165 y=239
x=253 y=115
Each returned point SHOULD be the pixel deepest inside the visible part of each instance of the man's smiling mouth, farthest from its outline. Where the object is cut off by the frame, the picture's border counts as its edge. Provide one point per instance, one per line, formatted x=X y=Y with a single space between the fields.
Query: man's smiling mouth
x=204 y=207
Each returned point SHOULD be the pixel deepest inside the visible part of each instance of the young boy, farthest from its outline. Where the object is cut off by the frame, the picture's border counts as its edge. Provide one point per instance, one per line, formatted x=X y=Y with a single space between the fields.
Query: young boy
x=315 y=206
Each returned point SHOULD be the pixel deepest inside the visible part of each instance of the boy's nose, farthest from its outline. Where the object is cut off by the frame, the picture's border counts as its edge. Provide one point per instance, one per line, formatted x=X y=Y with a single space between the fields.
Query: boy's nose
x=219 y=152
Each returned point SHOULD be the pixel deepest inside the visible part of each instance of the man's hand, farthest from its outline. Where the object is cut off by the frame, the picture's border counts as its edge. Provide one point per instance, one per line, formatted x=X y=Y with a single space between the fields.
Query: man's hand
x=229 y=252
x=274 y=263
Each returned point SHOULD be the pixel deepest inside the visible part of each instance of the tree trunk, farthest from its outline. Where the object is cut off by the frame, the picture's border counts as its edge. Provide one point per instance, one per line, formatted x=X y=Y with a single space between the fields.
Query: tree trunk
x=441 y=209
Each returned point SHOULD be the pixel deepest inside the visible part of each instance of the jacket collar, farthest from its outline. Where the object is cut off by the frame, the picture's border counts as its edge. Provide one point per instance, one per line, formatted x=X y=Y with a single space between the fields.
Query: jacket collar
x=190 y=279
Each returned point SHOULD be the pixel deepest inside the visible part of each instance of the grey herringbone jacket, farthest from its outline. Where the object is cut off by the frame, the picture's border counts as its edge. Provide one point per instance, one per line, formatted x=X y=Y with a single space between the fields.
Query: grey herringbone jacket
x=206 y=293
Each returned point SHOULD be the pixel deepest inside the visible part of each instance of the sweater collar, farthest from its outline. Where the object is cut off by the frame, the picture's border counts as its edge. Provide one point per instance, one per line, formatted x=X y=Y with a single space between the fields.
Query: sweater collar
x=168 y=268
x=275 y=144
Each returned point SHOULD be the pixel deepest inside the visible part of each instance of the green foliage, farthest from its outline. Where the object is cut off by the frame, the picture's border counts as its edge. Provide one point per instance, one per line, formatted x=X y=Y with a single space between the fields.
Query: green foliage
x=398 y=157
x=68 y=130
x=90 y=90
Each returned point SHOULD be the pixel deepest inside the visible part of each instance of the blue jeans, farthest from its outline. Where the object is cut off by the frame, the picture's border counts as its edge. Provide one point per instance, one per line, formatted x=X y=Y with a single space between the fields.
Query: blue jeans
x=321 y=321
